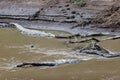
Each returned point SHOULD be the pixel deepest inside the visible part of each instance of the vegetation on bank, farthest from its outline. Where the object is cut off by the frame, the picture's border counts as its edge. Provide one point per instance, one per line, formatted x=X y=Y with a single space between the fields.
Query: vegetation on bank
x=81 y=3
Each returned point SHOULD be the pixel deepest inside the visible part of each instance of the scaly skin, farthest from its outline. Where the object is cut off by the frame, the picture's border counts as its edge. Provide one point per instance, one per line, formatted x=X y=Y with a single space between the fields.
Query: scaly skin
x=34 y=33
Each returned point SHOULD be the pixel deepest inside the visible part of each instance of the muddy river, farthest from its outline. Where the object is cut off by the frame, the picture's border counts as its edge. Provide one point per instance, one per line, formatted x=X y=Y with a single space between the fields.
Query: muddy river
x=16 y=48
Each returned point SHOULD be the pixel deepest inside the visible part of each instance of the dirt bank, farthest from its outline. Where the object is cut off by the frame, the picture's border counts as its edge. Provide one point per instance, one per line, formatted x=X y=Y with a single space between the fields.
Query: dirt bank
x=95 y=16
x=23 y=7
x=110 y=18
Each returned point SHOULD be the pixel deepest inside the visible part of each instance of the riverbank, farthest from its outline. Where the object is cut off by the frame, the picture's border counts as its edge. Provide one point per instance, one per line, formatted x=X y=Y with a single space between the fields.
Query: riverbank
x=43 y=25
x=58 y=15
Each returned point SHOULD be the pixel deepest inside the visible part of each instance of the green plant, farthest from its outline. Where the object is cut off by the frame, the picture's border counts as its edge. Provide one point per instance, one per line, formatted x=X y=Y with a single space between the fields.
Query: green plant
x=81 y=3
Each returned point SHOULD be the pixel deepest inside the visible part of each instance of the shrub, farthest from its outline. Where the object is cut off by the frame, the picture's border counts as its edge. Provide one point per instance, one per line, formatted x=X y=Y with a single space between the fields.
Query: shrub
x=81 y=3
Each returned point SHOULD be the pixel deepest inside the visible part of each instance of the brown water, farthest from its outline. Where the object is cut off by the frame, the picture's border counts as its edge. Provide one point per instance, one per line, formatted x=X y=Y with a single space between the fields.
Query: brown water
x=16 y=48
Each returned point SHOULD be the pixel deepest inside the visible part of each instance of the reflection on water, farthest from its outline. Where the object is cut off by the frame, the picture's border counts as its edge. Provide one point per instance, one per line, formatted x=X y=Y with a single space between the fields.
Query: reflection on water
x=16 y=48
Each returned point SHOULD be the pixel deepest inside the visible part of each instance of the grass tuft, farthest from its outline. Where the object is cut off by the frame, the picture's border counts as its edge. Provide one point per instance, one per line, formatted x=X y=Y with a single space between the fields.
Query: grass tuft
x=81 y=3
